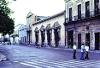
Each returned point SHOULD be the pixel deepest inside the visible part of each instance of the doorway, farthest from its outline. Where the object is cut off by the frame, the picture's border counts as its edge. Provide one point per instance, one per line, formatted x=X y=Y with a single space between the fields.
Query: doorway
x=36 y=37
x=87 y=39
x=49 y=37
x=57 y=36
x=42 y=38
x=70 y=39
x=97 y=41
x=79 y=41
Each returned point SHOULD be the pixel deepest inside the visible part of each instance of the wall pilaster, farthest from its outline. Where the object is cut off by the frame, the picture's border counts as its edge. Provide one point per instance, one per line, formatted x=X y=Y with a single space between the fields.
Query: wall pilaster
x=53 y=40
x=92 y=39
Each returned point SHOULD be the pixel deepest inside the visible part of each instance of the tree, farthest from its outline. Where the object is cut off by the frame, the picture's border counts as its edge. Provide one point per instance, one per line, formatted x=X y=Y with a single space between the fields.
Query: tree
x=6 y=23
x=4 y=9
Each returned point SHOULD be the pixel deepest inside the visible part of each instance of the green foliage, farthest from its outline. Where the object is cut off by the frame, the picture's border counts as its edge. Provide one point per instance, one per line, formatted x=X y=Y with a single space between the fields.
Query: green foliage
x=6 y=23
x=4 y=9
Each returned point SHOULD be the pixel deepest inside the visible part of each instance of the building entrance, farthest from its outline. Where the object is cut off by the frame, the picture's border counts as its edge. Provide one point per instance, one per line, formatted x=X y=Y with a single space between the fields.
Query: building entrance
x=36 y=37
x=70 y=39
x=49 y=37
x=79 y=41
x=42 y=38
x=57 y=36
x=87 y=39
x=97 y=41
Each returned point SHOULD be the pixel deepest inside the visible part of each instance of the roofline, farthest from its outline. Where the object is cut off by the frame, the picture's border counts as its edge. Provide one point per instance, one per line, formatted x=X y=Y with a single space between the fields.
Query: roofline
x=29 y=16
x=59 y=14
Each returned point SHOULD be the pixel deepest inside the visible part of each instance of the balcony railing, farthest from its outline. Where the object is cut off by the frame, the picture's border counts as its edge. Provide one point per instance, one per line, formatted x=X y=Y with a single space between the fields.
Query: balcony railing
x=92 y=15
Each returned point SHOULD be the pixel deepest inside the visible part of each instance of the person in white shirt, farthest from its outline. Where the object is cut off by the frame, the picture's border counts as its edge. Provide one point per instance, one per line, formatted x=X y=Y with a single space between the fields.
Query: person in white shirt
x=82 y=51
x=86 y=52
x=74 y=51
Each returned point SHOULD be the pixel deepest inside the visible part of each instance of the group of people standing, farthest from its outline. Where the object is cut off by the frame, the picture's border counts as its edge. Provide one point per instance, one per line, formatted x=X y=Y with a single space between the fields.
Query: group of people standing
x=84 y=52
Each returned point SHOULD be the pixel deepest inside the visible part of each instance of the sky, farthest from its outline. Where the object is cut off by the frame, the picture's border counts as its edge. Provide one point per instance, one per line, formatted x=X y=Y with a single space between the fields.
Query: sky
x=37 y=7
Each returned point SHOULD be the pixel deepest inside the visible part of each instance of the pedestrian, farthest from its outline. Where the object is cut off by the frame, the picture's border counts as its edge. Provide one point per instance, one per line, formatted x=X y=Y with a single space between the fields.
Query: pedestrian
x=74 y=51
x=82 y=51
x=86 y=52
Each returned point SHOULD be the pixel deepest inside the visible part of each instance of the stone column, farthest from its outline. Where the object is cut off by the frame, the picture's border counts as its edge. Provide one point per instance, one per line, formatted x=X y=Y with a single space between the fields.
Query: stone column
x=45 y=37
x=76 y=38
x=92 y=39
x=99 y=6
x=74 y=35
x=83 y=36
x=39 y=37
x=92 y=7
x=53 y=39
x=27 y=38
x=66 y=36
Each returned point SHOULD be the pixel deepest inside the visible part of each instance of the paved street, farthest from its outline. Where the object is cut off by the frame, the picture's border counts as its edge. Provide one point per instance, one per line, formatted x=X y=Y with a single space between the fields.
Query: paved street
x=31 y=57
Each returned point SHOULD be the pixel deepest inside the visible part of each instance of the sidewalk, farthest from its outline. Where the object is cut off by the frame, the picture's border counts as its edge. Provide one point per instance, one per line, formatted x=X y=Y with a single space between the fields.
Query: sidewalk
x=62 y=48
x=94 y=55
x=69 y=49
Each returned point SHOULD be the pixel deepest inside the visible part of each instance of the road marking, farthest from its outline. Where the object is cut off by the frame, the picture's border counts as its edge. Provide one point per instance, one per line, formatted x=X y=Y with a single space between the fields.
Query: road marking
x=45 y=63
x=26 y=64
x=16 y=61
x=50 y=67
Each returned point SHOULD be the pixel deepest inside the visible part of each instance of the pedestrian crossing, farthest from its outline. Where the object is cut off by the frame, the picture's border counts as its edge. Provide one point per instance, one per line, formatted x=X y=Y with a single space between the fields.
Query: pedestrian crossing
x=47 y=63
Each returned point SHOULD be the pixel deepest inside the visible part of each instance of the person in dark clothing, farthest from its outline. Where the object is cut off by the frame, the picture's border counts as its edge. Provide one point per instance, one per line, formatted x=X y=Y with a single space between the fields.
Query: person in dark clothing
x=74 y=51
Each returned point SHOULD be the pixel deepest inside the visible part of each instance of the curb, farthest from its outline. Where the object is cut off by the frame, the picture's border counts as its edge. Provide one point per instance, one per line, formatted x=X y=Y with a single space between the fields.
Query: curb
x=59 y=48
x=78 y=50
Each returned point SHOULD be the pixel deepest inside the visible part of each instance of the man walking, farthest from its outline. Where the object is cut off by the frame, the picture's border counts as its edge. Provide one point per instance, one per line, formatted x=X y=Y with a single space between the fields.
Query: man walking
x=86 y=52
x=82 y=51
x=74 y=51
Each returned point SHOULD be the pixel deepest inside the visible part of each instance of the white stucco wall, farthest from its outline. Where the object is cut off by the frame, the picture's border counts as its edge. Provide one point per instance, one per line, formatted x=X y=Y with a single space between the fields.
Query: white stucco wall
x=60 y=20
x=22 y=32
x=30 y=19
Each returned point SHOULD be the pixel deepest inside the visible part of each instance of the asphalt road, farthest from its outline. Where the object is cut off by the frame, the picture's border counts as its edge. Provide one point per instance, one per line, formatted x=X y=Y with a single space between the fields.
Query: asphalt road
x=31 y=57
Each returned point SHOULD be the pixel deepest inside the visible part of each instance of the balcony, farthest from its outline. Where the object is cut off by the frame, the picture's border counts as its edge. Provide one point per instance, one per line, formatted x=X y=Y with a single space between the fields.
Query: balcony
x=83 y=18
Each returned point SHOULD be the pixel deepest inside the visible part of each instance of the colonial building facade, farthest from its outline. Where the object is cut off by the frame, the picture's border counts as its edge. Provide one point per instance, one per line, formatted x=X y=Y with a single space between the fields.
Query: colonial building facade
x=49 y=31
x=22 y=32
x=83 y=23
x=31 y=19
